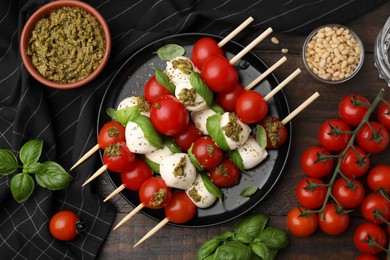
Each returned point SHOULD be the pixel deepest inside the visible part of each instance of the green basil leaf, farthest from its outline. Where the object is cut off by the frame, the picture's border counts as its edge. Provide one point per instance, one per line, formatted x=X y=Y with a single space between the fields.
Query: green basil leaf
x=210 y=186
x=193 y=159
x=170 y=51
x=213 y=126
x=153 y=165
x=111 y=112
x=164 y=80
x=227 y=235
x=35 y=167
x=172 y=146
x=233 y=250
x=274 y=238
x=217 y=108
x=150 y=133
x=54 y=177
x=252 y=225
x=201 y=88
x=210 y=257
x=208 y=248
x=8 y=162
x=261 y=136
x=242 y=238
x=262 y=250
x=22 y=186
x=31 y=151
x=236 y=158
x=249 y=191
x=127 y=114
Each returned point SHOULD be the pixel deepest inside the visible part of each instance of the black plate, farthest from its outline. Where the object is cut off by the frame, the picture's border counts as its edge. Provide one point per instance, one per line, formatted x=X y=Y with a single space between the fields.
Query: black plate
x=129 y=81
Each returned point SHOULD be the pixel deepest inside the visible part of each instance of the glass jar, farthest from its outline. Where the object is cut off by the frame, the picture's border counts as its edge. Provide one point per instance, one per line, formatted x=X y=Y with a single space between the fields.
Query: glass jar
x=382 y=52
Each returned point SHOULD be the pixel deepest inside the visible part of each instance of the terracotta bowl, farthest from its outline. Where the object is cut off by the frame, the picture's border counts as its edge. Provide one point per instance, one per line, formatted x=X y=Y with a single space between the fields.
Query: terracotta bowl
x=44 y=11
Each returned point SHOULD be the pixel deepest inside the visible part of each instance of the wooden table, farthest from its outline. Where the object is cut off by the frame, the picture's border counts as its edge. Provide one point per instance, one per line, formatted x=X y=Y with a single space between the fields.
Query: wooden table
x=183 y=243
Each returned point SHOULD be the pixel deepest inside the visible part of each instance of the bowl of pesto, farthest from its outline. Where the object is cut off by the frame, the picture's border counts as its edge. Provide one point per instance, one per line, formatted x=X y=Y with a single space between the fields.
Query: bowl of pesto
x=65 y=44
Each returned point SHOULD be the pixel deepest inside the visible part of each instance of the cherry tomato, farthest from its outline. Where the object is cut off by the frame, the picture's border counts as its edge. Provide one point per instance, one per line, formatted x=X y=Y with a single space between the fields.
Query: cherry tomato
x=379 y=178
x=316 y=163
x=185 y=139
x=204 y=49
x=383 y=114
x=180 y=209
x=301 y=226
x=228 y=100
x=153 y=90
x=334 y=220
x=169 y=116
x=226 y=174
x=355 y=162
x=353 y=108
x=349 y=194
x=373 y=204
x=366 y=257
x=65 y=225
x=276 y=131
x=207 y=152
x=219 y=75
x=111 y=132
x=308 y=196
x=154 y=193
x=330 y=137
x=117 y=157
x=136 y=174
x=369 y=231
x=373 y=138
x=251 y=107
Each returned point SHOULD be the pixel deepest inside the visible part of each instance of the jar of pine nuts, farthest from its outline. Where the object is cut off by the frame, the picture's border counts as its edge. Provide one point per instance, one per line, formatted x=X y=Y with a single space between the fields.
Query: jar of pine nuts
x=381 y=52
x=333 y=53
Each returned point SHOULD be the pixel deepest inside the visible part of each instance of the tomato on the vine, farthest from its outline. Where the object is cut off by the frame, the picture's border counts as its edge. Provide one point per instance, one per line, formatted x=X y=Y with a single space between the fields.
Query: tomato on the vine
x=383 y=114
x=374 y=205
x=301 y=225
x=111 y=132
x=154 y=193
x=334 y=135
x=251 y=107
x=228 y=100
x=373 y=137
x=316 y=162
x=355 y=162
x=367 y=232
x=379 y=178
x=353 y=108
x=334 y=220
x=117 y=157
x=349 y=194
x=65 y=225
x=276 y=131
x=310 y=192
x=153 y=90
x=207 y=153
x=180 y=209
x=226 y=174
x=204 y=49
x=133 y=176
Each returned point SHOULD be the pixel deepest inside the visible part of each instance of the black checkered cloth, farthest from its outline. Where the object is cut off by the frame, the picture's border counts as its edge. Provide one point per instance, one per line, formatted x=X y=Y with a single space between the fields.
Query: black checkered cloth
x=66 y=120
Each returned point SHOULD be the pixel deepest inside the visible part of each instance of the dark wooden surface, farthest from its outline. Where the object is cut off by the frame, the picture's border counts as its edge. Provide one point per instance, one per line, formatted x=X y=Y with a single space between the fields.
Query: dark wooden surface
x=183 y=243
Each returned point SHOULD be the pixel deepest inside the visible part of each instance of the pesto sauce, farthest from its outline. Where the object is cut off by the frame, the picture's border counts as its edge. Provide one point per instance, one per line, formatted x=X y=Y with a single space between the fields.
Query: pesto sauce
x=188 y=96
x=232 y=128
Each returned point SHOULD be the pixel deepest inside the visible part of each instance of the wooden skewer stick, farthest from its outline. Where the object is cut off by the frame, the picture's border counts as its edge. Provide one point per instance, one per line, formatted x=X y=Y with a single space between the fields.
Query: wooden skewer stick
x=116 y=191
x=251 y=45
x=235 y=32
x=86 y=156
x=130 y=215
x=266 y=73
x=153 y=231
x=300 y=108
x=282 y=85
x=95 y=175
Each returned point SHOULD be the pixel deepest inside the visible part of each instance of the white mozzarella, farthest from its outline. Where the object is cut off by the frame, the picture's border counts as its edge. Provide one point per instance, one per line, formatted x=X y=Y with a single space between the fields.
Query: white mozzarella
x=251 y=153
x=159 y=155
x=200 y=119
x=176 y=75
x=243 y=136
x=131 y=102
x=199 y=195
x=200 y=103
x=168 y=171
x=136 y=140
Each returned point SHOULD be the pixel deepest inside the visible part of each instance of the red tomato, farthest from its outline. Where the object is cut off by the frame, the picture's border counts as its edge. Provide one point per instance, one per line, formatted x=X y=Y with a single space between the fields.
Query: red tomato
x=228 y=100
x=334 y=220
x=169 y=116
x=154 y=193
x=219 y=74
x=369 y=231
x=136 y=174
x=316 y=163
x=185 y=139
x=204 y=49
x=111 y=132
x=374 y=204
x=373 y=138
x=207 y=153
x=350 y=194
x=226 y=174
x=379 y=178
x=251 y=107
x=180 y=209
x=153 y=90
x=383 y=114
x=276 y=131
x=366 y=257
x=117 y=157
x=301 y=226
x=355 y=163
x=353 y=108
x=65 y=225
x=330 y=137
x=308 y=196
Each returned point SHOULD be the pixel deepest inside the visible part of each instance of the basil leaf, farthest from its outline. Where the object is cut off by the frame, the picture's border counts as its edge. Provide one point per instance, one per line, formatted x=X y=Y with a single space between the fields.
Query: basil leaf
x=262 y=250
x=127 y=114
x=150 y=133
x=164 y=80
x=153 y=165
x=31 y=151
x=35 y=167
x=201 y=88
x=22 y=186
x=213 y=126
x=194 y=160
x=172 y=146
x=248 y=191
x=111 y=112
x=210 y=187
x=170 y=51
x=208 y=248
x=233 y=250
x=242 y=238
x=225 y=236
x=252 y=225
x=210 y=257
x=274 y=238
x=8 y=162
x=261 y=136
x=236 y=158
x=217 y=108
x=54 y=177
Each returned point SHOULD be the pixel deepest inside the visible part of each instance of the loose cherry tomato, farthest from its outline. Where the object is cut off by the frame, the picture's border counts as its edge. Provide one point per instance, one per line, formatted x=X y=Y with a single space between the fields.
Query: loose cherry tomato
x=136 y=174
x=219 y=74
x=276 y=131
x=154 y=193
x=368 y=232
x=153 y=90
x=334 y=220
x=117 y=157
x=379 y=178
x=383 y=114
x=309 y=196
x=204 y=49
x=169 y=116
x=333 y=135
x=301 y=226
x=185 y=139
x=373 y=137
x=228 y=100
x=349 y=194
x=226 y=174
x=251 y=107
x=111 y=132
x=353 y=108
x=65 y=225
x=355 y=162
x=207 y=152
x=316 y=163
x=180 y=209
x=373 y=204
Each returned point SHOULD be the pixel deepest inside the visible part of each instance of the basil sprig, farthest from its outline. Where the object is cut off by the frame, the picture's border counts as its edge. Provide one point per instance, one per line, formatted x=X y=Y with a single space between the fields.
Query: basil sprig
x=147 y=128
x=201 y=88
x=164 y=80
x=49 y=175
x=213 y=125
x=170 y=51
